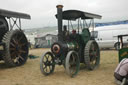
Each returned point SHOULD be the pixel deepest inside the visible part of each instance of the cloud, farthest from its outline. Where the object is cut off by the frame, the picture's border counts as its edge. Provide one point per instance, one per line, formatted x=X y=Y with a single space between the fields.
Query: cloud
x=43 y=11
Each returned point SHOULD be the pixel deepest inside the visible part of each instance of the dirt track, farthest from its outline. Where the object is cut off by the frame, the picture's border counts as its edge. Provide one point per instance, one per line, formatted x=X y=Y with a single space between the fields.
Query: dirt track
x=30 y=74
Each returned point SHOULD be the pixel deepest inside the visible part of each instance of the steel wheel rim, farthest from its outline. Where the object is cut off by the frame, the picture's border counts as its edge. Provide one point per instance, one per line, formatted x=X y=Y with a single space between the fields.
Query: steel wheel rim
x=93 y=53
x=47 y=63
x=18 y=48
x=72 y=63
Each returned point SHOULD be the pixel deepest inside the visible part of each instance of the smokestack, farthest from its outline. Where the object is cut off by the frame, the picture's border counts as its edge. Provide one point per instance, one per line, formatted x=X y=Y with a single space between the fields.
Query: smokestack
x=60 y=22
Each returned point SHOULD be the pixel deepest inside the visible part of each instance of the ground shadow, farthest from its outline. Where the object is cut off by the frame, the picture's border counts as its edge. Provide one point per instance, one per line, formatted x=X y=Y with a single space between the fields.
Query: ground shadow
x=3 y=65
x=83 y=66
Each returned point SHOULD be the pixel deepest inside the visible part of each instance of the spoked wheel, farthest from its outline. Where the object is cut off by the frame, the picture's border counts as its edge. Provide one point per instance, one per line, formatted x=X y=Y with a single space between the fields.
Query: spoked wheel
x=92 y=55
x=47 y=63
x=16 y=48
x=72 y=63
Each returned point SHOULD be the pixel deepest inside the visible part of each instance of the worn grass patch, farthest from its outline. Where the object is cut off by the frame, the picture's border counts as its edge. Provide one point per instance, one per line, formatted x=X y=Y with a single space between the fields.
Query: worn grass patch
x=29 y=74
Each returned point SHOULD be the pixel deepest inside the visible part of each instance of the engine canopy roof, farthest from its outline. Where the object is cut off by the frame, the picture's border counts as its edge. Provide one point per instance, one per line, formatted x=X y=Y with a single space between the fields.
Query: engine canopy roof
x=75 y=14
x=7 y=13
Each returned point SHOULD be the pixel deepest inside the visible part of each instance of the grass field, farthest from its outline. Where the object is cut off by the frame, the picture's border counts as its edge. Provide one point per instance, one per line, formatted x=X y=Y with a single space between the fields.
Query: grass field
x=29 y=74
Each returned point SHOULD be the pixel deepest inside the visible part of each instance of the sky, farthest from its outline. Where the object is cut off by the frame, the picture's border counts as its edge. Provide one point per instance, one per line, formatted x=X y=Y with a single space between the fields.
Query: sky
x=43 y=11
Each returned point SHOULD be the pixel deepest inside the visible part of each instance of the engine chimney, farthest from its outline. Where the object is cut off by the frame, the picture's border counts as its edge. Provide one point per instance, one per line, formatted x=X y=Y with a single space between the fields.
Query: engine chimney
x=60 y=22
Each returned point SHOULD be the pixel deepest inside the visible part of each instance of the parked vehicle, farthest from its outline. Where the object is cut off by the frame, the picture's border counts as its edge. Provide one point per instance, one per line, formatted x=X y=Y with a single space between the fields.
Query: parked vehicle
x=106 y=35
x=13 y=42
x=123 y=51
x=73 y=47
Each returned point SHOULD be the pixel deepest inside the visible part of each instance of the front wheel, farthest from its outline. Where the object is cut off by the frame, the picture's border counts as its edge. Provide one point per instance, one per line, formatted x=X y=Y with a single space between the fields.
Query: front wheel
x=47 y=63
x=72 y=63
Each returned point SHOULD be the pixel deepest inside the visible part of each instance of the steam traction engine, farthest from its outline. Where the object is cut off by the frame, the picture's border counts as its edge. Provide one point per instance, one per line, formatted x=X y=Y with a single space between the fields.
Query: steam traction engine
x=75 y=44
x=13 y=42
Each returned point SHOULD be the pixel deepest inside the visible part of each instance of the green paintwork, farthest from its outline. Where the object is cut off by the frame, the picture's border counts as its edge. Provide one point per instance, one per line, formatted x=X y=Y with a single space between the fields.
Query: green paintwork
x=123 y=53
x=72 y=45
x=62 y=57
x=85 y=35
x=49 y=42
x=77 y=67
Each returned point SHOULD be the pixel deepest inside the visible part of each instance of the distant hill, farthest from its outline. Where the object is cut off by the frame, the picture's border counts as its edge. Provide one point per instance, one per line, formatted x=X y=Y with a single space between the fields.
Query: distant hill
x=111 y=23
x=53 y=29
x=43 y=30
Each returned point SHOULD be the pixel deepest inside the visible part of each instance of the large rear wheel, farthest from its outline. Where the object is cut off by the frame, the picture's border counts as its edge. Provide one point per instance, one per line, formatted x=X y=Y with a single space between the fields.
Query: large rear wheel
x=92 y=55
x=16 y=48
x=72 y=63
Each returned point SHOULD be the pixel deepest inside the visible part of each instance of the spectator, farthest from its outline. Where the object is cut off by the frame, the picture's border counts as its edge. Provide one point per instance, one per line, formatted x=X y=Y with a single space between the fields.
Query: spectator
x=29 y=44
x=121 y=72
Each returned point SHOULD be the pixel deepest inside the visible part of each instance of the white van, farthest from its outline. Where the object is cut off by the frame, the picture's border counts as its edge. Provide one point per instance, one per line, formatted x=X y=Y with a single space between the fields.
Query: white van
x=106 y=36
